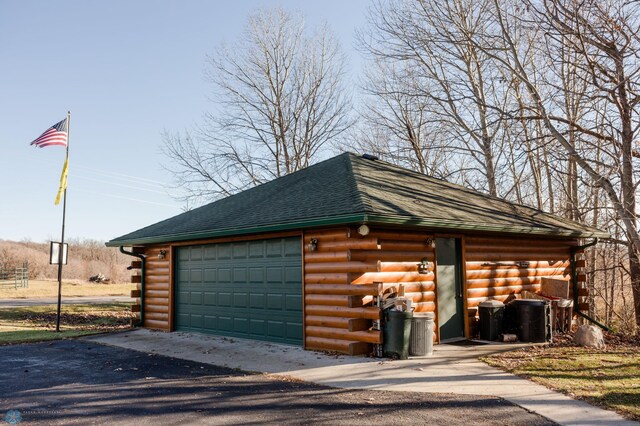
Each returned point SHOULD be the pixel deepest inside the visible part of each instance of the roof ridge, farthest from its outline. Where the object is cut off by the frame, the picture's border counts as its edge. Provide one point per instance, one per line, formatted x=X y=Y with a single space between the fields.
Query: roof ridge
x=362 y=195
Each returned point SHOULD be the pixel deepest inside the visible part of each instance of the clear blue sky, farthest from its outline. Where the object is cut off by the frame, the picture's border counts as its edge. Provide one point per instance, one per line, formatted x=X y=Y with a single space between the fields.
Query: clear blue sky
x=127 y=70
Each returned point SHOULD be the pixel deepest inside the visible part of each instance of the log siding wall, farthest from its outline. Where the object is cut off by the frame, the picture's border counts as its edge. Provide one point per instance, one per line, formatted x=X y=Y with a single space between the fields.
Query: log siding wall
x=347 y=270
x=500 y=268
x=157 y=290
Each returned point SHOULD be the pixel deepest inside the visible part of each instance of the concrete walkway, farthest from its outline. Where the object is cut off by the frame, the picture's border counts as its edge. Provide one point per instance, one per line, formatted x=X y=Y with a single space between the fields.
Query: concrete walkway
x=67 y=300
x=452 y=369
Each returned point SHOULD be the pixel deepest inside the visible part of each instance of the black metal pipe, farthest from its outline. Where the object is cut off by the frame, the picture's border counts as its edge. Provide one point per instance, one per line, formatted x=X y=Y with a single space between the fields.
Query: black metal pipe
x=142 y=258
x=574 y=279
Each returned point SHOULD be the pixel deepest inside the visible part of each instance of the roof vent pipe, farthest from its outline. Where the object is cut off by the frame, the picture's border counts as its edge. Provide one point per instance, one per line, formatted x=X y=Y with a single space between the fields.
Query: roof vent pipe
x=370 y=157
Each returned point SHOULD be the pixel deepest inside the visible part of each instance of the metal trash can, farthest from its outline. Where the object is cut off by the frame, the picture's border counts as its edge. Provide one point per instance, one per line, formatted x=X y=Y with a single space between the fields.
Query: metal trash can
x=534 y=320
x=491 y=314
x=421 y=340
x=396 y=333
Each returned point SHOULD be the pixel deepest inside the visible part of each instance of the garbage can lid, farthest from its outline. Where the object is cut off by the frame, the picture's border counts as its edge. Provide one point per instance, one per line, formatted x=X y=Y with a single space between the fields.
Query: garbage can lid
x=565 y=303
x=491 y=304
x=427 y=315
x=533 y=302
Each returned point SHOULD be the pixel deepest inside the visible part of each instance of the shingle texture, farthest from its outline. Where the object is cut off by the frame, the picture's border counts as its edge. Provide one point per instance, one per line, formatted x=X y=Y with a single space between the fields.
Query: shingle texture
x=348 y=188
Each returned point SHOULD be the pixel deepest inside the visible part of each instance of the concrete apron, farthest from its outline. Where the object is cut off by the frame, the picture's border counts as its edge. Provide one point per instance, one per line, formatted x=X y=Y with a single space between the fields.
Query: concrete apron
x=451 y=369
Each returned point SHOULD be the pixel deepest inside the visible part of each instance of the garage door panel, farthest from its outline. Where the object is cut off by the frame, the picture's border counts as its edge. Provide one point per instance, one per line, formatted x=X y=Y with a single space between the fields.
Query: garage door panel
x=210 y=253
x=182 y=297
x=256 y=249
x=257 y=300
x=293 y=329
x=258 y=327
x=274 y=274
x=241 y=325
x=224 y=251
x=210 y=299
x=240 y=300
x=196 y=253
x=292 y=274
x=224 y=275
x=225 y=323
x=274 y=248
x=256 y=275
x=210 y=275
x=195 y=275
x=292 y=248
x=182 y=318
x=225 y=299
x=245 y=289
x=240 y=251
x=293 y=302
x=274 y=301
x=210 y=322
x=277 y=329
x=196 y=298
x=239 y=275
x=183 y=254
x=196 y=320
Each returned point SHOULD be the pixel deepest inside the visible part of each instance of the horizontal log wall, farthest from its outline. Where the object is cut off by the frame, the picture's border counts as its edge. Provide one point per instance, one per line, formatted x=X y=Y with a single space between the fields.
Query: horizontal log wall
x=346 y=271
x=501 y=268
x=583 y=291
x=157 y=295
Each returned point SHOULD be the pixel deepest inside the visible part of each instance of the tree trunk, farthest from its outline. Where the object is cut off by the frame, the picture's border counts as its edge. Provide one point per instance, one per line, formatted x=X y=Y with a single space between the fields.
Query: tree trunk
x=634 y=272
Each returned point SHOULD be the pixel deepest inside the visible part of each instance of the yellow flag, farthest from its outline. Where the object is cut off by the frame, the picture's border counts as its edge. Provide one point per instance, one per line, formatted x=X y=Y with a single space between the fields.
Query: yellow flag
x=63 y=181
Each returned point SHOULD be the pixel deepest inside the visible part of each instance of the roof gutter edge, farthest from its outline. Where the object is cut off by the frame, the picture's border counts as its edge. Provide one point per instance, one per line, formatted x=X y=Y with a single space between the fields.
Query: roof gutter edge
x=354 y=218
x=336 y=220
x=395 y=220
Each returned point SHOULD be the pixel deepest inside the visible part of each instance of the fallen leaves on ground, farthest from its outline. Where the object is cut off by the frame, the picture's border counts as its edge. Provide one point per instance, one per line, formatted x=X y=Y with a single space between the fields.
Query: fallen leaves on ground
x=99 y=319
x=608 y=377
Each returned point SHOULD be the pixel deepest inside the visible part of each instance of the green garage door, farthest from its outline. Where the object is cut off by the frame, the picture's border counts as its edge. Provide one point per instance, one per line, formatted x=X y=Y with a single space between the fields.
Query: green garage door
x=250 y=289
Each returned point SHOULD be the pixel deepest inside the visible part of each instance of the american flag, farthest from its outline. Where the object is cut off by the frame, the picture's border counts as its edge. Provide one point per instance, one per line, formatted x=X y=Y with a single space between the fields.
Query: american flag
x=54 y=135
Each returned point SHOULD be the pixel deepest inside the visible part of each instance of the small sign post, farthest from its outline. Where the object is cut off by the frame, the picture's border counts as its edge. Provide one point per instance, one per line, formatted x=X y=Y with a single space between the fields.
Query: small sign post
x=58 y=257
x=54 y=253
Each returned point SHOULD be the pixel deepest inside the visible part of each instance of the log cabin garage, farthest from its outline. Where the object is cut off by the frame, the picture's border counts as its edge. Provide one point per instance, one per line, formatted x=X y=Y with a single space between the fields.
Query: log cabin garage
x=301 y=259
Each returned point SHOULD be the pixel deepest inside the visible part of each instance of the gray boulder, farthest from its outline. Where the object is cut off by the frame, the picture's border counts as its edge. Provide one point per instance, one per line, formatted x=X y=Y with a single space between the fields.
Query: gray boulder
x=589 y=336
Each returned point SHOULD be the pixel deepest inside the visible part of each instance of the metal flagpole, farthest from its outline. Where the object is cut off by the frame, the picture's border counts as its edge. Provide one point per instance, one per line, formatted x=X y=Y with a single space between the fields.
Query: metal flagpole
x=64 y=212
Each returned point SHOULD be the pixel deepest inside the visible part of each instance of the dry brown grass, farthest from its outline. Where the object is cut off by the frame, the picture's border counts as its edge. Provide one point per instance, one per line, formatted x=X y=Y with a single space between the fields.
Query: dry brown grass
x=86 y=258
x=70 y=288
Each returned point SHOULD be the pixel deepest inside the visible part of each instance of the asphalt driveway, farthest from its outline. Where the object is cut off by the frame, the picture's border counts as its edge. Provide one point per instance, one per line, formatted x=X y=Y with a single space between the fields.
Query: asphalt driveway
x=82 y=382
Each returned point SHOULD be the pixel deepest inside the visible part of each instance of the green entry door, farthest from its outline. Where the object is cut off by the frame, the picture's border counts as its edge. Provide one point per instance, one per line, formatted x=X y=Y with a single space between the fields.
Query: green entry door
x=249 y=289
x=449 y=288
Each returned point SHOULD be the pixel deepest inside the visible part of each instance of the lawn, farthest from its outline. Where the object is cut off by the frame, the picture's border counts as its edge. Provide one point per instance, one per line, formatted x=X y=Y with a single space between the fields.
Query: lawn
x=69 y=289
x=37 y=323
x=609 y=377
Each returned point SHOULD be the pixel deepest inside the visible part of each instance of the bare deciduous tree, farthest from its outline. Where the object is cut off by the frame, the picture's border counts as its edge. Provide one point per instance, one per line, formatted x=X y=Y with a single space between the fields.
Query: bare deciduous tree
x=279 y=98
x=429 y=37
x=603 y=40
x=397 y=125
x=543 y=95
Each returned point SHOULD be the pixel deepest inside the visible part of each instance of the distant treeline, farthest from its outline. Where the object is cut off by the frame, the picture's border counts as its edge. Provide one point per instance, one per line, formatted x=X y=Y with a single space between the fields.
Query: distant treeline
x=86 y=258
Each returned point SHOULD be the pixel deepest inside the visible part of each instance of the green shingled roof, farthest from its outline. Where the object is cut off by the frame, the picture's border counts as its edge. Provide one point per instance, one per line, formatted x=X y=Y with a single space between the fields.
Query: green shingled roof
x=349 y=189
